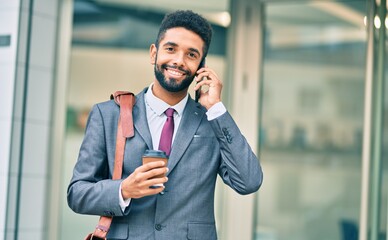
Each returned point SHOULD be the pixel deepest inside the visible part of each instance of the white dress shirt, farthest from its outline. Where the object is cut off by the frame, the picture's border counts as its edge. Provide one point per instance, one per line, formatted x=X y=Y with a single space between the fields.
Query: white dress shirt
x=156 y=118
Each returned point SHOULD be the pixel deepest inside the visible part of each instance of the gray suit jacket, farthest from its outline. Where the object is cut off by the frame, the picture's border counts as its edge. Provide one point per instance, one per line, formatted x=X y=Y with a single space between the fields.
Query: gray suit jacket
x=185 y=210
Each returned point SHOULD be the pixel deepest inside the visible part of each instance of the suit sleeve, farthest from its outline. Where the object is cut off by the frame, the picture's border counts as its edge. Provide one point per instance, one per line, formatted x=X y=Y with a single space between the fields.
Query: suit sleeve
x=239 y=168
x=91 y=191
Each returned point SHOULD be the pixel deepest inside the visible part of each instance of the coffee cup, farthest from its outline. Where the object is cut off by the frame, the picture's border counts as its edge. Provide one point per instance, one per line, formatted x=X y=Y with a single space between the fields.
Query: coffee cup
x=152 y=156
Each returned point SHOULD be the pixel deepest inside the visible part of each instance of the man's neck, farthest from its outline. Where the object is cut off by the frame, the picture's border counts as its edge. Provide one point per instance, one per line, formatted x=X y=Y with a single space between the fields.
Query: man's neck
x=171 y=98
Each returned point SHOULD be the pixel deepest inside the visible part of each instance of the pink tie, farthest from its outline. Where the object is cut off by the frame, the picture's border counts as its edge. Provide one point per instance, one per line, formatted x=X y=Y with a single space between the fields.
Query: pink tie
x=167 y=132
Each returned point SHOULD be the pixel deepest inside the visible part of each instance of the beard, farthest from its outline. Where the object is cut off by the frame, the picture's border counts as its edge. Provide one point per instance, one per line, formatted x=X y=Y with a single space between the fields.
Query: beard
x=171 y=84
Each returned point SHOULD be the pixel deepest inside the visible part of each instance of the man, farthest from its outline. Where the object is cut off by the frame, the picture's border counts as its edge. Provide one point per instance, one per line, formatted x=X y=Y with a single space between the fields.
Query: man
x=206 y=142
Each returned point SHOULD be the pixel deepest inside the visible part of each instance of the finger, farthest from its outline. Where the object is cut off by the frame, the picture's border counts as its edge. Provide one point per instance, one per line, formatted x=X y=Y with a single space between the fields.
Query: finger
x=199 y=85
x=202 y=76
x=199 y=79
x=154 y=172
x=145 y=172
x=155 y=181
x=211 y=77
x=202 y=83
x=201 y=70
x=147 y=191
x=204 y=69
x=150 y=165
x=208 y=70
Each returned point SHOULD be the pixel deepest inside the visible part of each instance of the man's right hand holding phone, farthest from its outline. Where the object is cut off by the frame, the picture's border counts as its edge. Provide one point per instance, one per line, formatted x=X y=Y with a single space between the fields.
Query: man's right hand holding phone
x=207 y=77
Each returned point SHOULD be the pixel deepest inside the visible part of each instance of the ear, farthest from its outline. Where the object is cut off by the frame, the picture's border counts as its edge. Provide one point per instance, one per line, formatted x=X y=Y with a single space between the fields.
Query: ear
x=153 y=52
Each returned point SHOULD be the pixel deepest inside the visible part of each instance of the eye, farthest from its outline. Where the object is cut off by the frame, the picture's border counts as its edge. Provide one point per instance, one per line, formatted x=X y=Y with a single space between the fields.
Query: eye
x=169 y=49
x=192 y=55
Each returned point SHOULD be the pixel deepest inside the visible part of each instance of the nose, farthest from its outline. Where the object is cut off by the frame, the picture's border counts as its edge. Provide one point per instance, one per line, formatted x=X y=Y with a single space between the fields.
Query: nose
x=179 y=59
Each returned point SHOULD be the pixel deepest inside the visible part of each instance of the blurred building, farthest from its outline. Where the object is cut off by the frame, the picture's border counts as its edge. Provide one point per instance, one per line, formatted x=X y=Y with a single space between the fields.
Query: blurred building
x=305 y=81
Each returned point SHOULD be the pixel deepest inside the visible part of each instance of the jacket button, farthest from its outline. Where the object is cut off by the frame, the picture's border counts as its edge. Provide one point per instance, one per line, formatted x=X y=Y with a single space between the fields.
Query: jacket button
x=158 y=227
x=161 y=193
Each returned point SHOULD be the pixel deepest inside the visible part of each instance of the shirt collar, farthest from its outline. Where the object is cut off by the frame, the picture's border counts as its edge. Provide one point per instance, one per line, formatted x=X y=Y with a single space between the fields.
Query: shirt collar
x=159 y=106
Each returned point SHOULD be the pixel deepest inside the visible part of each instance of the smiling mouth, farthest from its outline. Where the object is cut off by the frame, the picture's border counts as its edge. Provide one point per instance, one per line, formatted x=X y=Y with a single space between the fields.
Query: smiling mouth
x=174 y=72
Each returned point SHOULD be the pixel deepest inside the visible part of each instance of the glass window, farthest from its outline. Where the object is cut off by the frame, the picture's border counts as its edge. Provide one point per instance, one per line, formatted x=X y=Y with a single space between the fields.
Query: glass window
x=312 y=120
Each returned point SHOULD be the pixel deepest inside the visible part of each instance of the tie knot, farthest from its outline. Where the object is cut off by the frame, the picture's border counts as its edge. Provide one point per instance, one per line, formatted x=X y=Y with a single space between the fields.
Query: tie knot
x=170 y=112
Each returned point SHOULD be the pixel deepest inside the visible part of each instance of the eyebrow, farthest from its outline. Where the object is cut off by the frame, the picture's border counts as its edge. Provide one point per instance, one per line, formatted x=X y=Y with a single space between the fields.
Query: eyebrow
x=175 y=45
x=170 y=44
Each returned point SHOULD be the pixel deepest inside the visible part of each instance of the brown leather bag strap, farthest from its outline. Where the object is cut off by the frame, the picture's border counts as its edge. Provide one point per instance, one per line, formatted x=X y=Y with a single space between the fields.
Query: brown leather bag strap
x=126 y=101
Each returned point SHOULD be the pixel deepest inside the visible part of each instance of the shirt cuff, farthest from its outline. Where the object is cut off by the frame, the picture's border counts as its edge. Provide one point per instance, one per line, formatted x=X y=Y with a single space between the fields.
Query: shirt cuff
x=215 y=111
x=123 y=203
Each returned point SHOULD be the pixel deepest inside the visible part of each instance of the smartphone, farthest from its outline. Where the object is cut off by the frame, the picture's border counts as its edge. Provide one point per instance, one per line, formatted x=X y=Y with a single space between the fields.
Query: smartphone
x=198 y=92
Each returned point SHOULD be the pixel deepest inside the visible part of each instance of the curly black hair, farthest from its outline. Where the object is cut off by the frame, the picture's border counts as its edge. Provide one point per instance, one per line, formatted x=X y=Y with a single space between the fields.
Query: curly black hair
x=190 y=21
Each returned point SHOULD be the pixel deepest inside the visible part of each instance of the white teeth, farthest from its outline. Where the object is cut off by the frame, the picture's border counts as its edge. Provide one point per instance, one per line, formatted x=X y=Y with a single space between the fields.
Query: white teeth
x=172 y=72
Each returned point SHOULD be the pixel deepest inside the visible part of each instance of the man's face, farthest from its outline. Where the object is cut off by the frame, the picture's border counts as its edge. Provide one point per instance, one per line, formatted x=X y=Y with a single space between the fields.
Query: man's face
x=177 y=59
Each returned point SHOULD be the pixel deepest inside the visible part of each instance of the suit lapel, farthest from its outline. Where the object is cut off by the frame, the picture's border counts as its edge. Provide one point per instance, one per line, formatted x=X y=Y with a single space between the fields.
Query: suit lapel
x=140 y=119
x=192 y=116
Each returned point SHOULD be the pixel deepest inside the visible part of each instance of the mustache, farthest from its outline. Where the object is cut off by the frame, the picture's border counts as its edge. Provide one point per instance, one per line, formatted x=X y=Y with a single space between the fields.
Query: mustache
x=165 y=66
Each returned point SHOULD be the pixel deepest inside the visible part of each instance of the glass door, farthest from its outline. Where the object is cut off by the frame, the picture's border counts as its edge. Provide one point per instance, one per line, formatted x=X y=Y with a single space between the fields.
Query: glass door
x=312 y=120
x=110 y=52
